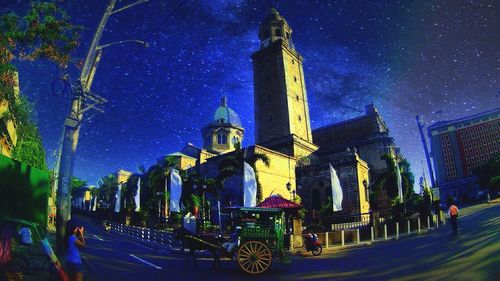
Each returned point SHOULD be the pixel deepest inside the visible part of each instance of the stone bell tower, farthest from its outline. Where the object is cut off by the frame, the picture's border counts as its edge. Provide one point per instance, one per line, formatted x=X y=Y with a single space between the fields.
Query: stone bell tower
x=281 y=105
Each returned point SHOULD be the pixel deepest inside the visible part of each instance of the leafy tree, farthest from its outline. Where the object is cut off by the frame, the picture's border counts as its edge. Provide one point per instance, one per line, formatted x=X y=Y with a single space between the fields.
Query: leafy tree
x=233 y=163
x=156 y=177
x=43 y=33
x=107 y=187
x=487 y=172
x=77 y=183
x=388 y=180
x=494 y=184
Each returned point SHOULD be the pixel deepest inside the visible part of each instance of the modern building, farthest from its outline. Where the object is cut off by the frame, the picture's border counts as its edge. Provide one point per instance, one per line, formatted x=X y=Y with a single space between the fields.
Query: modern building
x=461 y=145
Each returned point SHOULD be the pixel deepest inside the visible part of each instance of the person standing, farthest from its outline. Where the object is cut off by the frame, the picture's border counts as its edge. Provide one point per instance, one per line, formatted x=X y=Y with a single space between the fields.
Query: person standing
x=74 y=241
x=454 y=212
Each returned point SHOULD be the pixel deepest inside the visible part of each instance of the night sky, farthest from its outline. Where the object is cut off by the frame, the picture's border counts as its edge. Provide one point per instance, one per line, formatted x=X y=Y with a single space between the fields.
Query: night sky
x=408 y=57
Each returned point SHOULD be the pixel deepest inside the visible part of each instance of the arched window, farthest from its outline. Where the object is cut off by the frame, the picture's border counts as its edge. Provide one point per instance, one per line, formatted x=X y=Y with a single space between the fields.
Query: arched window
x=235 y=140
x=277 y=32
x=221 y=138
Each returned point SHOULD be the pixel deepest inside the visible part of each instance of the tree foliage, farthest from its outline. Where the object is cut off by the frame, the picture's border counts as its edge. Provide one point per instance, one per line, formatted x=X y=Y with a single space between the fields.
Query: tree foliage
x=388 y=180
x=232 y=164
x=487 y=172
x=43 y=33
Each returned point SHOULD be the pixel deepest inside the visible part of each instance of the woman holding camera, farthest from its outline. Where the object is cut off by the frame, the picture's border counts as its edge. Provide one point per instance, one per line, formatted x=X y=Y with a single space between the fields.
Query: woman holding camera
x=74 y=241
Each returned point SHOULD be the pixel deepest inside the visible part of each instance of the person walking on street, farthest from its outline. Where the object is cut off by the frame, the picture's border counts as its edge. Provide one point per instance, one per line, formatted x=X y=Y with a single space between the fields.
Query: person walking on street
x=74 y=240
x=453 y=212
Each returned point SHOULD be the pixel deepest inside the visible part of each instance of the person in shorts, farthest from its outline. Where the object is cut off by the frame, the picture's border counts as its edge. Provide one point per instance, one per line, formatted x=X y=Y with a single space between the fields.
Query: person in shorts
x=74 y=241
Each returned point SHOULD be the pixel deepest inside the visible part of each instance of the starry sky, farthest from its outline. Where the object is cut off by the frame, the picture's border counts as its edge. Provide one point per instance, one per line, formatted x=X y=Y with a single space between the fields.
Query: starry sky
x=440 y=59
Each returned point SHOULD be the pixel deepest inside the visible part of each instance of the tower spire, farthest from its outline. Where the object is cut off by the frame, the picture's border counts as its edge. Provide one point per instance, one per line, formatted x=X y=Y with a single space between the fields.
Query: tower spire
x=223 y=101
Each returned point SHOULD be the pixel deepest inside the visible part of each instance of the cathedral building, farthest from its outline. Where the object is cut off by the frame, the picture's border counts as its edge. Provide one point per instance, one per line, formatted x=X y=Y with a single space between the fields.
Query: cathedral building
x=299 y=156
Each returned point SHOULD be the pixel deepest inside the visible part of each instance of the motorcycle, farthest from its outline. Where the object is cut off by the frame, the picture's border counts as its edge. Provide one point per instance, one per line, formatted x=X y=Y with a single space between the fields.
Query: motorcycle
x=313 y=244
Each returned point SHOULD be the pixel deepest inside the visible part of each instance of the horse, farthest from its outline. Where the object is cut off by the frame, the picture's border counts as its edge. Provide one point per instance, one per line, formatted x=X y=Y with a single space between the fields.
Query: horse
x=193 y=243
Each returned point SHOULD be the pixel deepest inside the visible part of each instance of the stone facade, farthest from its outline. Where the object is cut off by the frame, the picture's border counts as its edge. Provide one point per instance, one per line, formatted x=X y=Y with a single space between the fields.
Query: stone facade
x=353 y=174
x=280 y=98
x=273 y=179
x=122 y=176
x=367 y=134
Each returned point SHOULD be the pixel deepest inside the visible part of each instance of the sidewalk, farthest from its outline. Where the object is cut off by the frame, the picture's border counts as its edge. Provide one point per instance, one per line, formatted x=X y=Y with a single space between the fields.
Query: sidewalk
x=40 y=261
x=301 y=252
x=87 y=274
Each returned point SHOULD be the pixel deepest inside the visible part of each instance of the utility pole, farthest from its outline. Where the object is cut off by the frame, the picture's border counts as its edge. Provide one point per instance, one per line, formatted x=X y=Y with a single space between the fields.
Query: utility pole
x=82 y=101
x=426 y=150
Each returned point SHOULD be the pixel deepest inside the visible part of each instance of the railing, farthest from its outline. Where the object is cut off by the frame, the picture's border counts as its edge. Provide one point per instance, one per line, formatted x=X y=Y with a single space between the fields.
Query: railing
x=365 y=232
x=150 y=237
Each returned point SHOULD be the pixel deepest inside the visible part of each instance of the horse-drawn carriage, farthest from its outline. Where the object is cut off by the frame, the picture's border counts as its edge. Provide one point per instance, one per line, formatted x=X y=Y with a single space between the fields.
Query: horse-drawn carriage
x=260 y=233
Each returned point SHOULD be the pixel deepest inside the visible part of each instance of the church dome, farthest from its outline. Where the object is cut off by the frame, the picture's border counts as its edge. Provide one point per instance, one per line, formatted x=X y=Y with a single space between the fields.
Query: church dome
x=226 y=115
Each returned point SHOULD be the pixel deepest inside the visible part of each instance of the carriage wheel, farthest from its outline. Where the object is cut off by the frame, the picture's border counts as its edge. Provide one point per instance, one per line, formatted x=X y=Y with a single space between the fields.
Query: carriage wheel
x=254 y=257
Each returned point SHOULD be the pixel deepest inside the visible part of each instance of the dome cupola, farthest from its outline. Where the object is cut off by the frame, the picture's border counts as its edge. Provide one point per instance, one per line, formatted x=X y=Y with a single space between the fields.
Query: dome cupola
x=224 y=131
x=226 y=115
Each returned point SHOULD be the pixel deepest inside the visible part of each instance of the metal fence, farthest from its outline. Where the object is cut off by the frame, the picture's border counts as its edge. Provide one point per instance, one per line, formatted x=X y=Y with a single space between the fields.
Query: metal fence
x=150 y=237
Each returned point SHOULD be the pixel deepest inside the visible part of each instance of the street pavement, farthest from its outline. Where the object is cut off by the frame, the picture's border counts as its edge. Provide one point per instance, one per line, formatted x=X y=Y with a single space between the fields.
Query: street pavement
x=472 y=255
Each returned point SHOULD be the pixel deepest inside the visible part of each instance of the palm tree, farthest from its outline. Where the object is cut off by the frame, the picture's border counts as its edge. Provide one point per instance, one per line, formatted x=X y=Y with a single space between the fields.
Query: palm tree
x=388 y=180
x=156 y=177
x=107 y=186
x=232 y=164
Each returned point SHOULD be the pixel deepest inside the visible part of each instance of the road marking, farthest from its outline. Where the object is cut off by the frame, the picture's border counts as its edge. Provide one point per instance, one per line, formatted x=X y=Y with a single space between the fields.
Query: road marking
x=97 y=237
x=146 y=262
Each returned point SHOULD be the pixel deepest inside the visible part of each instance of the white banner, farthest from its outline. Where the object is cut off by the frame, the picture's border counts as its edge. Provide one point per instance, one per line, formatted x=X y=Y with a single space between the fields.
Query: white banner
x=94 y=203
x=118 y=198
x=399 y=182
x=249 y=186
x=337 y=195
x=137 y=197
x=175 y=190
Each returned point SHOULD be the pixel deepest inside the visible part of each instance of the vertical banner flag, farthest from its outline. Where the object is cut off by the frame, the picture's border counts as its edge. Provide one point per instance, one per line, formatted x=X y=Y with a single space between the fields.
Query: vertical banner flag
x=137 y=197
x=337 y=195
x=118 y=198
x=400 y=183
x=249 y=186
x=175 y=190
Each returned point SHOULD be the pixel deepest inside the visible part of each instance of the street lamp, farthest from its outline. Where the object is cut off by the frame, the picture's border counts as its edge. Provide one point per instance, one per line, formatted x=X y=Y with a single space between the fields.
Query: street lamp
x=289 y=188
x=421 y=126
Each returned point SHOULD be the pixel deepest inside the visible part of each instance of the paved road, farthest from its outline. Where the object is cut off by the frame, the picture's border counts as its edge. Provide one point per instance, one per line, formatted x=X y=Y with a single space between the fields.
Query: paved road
x=473 y=255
